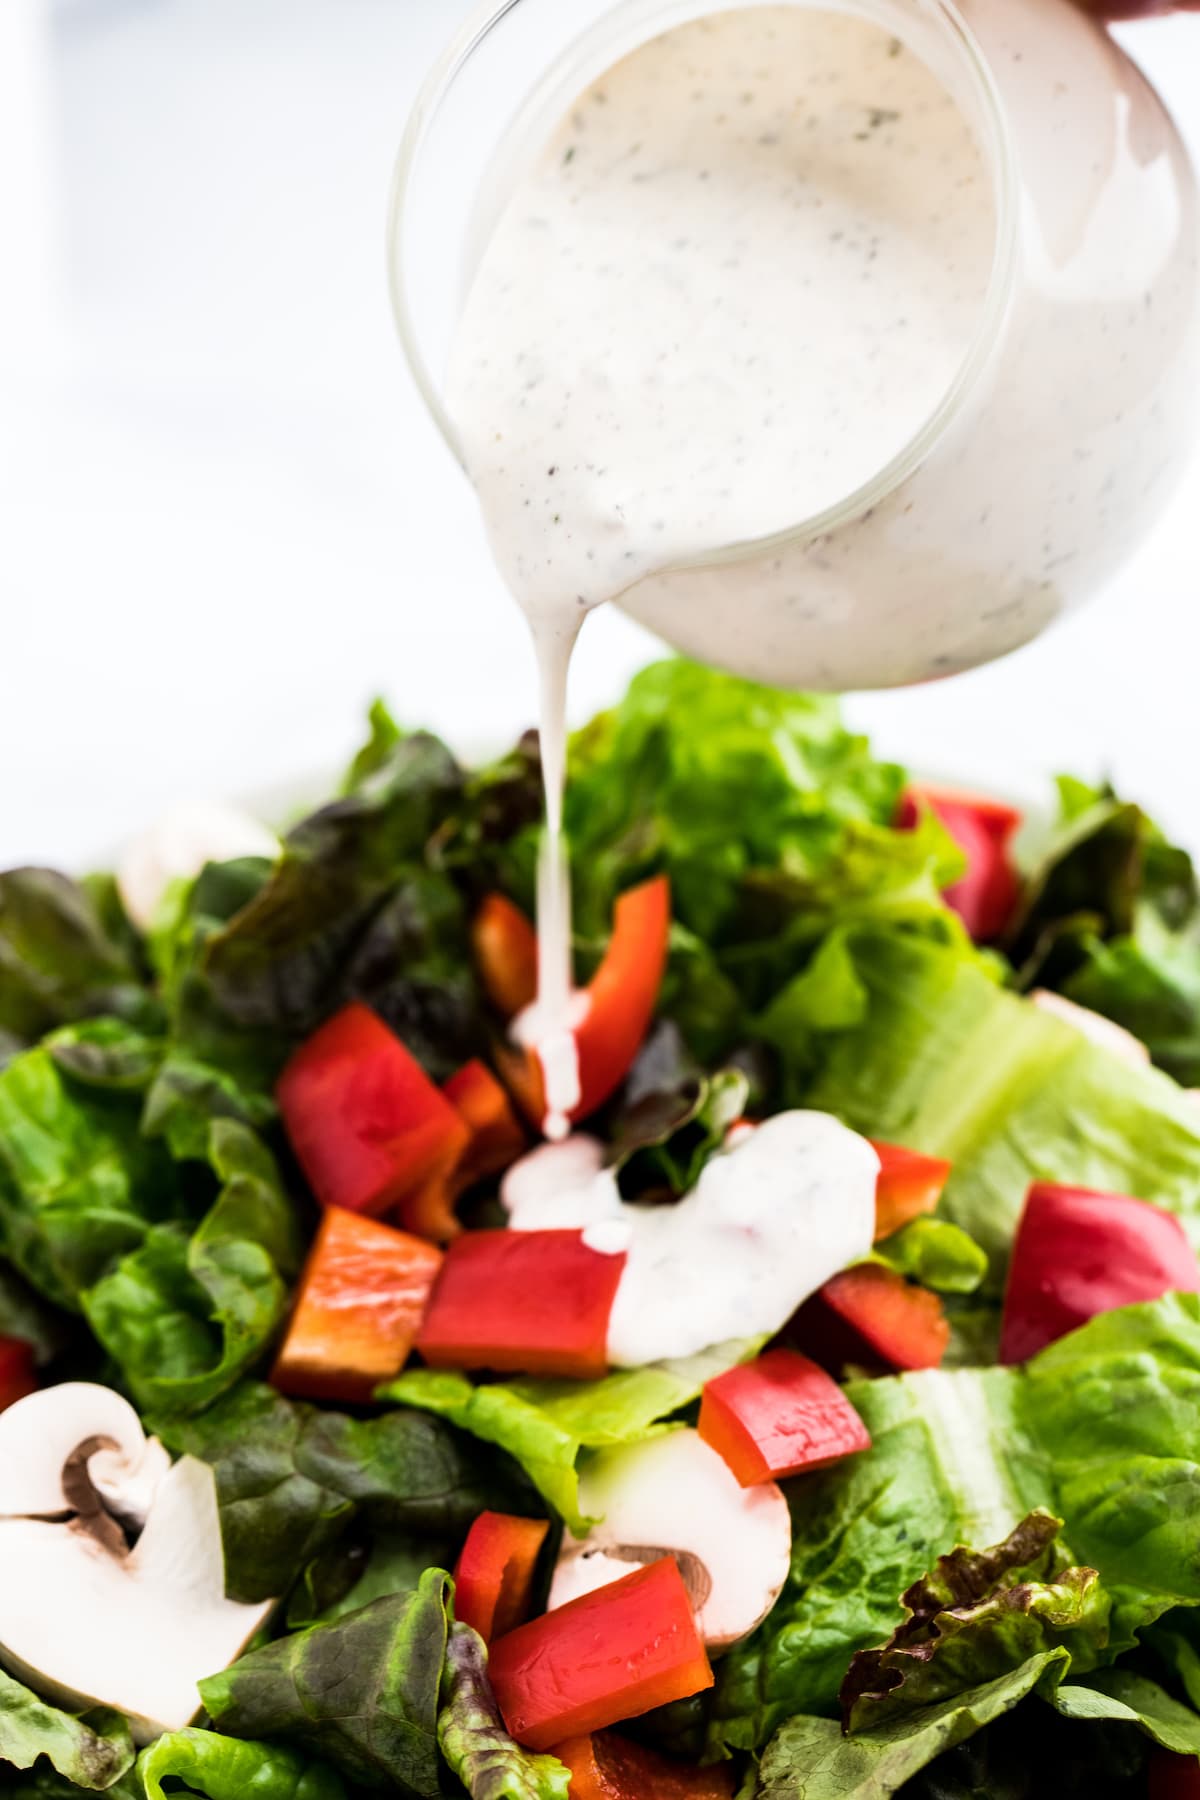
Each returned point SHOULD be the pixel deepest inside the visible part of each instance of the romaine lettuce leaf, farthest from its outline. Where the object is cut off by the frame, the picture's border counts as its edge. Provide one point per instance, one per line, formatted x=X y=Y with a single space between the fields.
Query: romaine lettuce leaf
x=1102 y=1429
x=92 y=1749
x=291 y=1479
x=229 y=1768
x=473 y=1737
x=946 y=1062
x=360 y=1693
x=950 y=1463
x=183 y=1317
x=545 y=1425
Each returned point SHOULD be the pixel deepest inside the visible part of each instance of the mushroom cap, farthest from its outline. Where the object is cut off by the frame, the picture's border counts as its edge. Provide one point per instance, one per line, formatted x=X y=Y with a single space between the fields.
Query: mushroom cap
x=135 y=1630
x=41 y=1435
x=674 y=1495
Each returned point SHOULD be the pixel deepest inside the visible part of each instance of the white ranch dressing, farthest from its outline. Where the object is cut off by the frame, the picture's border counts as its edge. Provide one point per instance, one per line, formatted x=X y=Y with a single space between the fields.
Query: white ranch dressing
x=767 y=1224
x=741 y=274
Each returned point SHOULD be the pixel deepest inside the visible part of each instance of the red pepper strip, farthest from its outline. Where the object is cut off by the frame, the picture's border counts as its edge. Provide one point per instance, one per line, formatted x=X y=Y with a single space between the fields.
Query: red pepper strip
x=505 y=947
x=522 y=1302
x=611 y=1655
x=779 y=1415
x=497 y=1136
x=605 y=1766
x=1168 y=1777
x=622 y=995
x=909 y=1184
x=1079 y=1253
x=493 y=1581
x=984 y=897
x=361 y=1299
x=871 y=1315
x=496 y=1140
x=18 y=1374
x=368 y=1126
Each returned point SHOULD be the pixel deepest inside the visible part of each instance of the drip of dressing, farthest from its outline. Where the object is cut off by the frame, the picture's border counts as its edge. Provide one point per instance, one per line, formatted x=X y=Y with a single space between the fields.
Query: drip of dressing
x=549 y=1026
x=740 y=275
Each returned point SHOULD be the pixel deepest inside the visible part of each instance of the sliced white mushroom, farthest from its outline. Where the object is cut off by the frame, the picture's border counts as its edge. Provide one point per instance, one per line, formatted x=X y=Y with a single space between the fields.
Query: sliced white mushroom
x=674 y=1496
x=1093 y=1026
x=52 y=1439
x=177 y=847
x=88 y=1617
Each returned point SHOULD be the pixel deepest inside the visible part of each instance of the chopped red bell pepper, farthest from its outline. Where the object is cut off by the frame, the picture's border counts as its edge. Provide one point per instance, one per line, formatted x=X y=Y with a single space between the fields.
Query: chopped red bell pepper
x=1168 y=1776
x=621 y=998
x=909 y=1184
x=779 y=1415
x=870 y=1315
x=506 y=955
x=522 y=1302
x=368 y=1126
x=606 y=1656
x=493 y=1581
x=984 y=897
x=606 y=1766
x=18 y=1373
x=1078 y=1253
x=497 y=1136
x=496 y=1140
x=361 y=1299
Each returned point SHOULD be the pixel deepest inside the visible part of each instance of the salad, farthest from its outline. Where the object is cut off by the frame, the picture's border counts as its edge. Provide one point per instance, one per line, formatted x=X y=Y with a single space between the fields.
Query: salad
x=822 y=1418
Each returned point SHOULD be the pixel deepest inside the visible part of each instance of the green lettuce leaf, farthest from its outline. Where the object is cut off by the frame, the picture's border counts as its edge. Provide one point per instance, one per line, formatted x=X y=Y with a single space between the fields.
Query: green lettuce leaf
x=214 y=1066
x=545 y=1425
x=1126 y=1697
x=1102 y=1429
x=365 y=1564
x=946 y=1062
x=950 y=1463
x=92 y=1749
x=184 y=1317
x=709 y=777
x=1115 y=1410
x=352 y=910
x=937 y=1254
x=292 y=1478
x=226 y=1768
x=810 y=1758
x=473 y=1737
x=79 y=1185
x=59 y=961
x=1111 y=918
x=23 y=1314
x=361 y=1693
x=976 y=1617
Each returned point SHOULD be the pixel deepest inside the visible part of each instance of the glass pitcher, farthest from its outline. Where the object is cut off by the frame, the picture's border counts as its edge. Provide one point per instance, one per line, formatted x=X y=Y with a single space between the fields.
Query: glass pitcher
x=1072 y=411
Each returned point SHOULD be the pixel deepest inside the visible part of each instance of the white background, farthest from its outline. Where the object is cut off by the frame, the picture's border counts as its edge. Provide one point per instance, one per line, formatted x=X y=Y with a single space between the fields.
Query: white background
x=225 y=521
